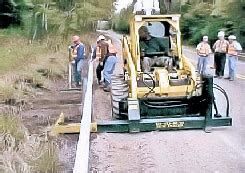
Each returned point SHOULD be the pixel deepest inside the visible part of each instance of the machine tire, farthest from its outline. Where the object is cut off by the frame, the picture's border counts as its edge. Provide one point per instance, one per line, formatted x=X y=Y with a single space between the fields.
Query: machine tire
x=119 y=91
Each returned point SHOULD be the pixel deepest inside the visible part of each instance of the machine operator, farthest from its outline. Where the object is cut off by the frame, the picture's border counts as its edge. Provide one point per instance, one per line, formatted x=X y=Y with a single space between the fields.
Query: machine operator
x=148 y=45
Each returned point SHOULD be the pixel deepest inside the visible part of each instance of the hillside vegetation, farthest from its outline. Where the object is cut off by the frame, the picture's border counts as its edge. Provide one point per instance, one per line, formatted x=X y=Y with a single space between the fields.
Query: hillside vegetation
x=33 y=56
x=200 y=18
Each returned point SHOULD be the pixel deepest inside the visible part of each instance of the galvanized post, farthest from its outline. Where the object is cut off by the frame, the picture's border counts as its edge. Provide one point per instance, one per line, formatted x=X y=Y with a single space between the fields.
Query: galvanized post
x=133 y=115
x=209 y=96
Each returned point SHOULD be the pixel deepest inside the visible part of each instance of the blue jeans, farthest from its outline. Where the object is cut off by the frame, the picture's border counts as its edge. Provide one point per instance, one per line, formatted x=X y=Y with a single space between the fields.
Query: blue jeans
x=202 y=64
x=232 y=60
x=109 y=68
x=77 y=68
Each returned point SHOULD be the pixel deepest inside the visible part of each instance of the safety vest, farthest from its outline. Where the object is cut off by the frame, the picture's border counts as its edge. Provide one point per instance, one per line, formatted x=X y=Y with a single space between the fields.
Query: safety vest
x=221 y=46
x=74 y=50
x=204 y=49
x=232 y=50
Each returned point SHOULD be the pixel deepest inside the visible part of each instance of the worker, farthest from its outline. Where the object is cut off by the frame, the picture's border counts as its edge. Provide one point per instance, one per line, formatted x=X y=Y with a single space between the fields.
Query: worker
x=220 y=49
x=78 y=55
x=102 y=50
x=150 y=44
x=234 y=48
x=203 y=51
x=109 y=66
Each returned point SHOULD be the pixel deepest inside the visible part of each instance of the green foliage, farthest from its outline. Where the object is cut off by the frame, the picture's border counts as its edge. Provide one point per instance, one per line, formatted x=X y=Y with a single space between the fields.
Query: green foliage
x=200 y=19
x=24 y=66
x=8 y=125
x=121 y=20
x=63 y=17
x=22 y=152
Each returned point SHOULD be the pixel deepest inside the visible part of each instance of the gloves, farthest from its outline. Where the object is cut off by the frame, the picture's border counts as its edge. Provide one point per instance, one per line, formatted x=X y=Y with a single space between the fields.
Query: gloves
x=101 y=63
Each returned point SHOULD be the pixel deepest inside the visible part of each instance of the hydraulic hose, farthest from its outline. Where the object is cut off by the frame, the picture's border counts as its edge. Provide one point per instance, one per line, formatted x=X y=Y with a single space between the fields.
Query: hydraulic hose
x=219 y=88
x=153 y=83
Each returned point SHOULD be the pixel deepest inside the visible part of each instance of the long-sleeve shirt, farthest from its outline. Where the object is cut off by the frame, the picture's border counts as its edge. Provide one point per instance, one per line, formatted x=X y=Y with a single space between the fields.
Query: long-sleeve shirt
x=78 y=52
x=234 y=48
x=103 y=49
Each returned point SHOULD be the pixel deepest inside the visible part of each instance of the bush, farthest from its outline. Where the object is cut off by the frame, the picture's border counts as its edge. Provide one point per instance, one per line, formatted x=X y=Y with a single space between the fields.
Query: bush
x=122 y=25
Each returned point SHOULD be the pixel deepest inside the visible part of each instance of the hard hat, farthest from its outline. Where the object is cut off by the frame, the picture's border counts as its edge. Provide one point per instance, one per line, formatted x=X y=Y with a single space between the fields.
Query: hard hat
x=101 y=37
x=221 y=34
x=75 y=38
x=205 y=38
x=232 y=37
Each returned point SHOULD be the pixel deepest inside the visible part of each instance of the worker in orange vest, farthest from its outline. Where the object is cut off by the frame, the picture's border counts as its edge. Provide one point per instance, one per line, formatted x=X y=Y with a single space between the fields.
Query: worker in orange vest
x=233 y=49
x=220 y=49
x=203 y=51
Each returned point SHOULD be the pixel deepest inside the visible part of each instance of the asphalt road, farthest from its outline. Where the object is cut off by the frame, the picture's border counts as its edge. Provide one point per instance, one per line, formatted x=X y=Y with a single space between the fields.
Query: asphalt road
x=222 y=151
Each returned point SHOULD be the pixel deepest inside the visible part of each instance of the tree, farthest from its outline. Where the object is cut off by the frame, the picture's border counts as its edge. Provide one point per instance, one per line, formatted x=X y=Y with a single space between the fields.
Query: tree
x=65 y=16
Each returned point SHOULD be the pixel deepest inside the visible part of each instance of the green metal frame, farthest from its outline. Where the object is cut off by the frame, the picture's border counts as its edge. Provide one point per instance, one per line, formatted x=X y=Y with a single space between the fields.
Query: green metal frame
x=163 y=124
x=201 y=116
x=203 y=119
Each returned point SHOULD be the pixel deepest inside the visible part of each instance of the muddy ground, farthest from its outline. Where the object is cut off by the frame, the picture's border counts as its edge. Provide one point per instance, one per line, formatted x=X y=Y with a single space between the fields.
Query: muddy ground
x=44 y=110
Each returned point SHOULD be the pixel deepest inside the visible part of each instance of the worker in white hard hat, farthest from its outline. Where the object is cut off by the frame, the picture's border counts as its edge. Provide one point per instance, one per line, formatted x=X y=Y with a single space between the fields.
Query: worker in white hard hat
x=78 y=49
x=234 y=48
x=203 y=51
x=101 y=37
x=102 y=50
x=220 y=49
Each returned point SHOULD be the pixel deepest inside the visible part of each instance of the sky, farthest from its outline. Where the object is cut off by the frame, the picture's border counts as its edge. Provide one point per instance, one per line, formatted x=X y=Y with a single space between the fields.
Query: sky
x=123 y=4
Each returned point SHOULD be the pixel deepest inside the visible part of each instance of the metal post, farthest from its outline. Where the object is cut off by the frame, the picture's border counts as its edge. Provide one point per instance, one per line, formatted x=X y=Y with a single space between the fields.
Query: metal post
x=209 y=95
x=70 y=74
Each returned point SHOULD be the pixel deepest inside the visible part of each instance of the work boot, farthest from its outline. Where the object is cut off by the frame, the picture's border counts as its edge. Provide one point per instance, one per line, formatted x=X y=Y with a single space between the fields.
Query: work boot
x=102 y=85
x=107 y=89
x=78 y=85
x=217 y=115
x=227 y=78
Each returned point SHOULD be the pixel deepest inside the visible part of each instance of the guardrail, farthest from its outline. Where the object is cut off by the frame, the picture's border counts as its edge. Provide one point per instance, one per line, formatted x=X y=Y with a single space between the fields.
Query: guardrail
x=82 y=152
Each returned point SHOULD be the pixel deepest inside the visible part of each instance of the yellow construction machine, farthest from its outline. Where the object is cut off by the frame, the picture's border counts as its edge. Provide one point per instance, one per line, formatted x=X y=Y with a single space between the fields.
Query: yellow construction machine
x=169 y=96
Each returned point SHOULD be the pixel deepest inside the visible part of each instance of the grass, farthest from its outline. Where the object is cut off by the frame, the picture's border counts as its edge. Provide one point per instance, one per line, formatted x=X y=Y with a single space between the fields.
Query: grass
x=22 y=152
x=8 y=126
x=25 y=67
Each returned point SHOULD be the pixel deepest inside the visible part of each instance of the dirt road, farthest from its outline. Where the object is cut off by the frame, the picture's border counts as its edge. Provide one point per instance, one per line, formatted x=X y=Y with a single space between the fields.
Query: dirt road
x=221 y=151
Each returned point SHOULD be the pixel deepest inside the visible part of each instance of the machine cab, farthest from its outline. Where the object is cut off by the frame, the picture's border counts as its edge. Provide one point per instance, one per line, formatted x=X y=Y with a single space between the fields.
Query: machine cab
x=164 y=29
